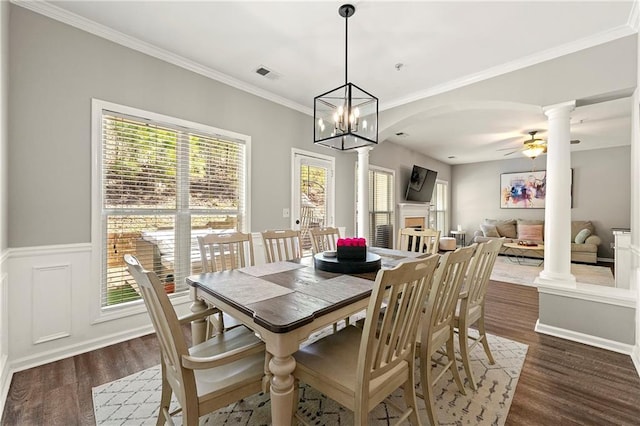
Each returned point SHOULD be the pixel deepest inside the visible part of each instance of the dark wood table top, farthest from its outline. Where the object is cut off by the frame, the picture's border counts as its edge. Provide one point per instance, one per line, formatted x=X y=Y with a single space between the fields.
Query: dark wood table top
x=283 y=296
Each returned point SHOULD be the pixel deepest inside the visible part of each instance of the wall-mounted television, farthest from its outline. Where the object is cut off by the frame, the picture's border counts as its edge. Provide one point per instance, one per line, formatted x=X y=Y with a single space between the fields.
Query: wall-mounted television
x=421 y=183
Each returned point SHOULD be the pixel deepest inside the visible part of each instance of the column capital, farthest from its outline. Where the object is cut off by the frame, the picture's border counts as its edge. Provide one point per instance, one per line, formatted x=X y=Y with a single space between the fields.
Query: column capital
x=364 y=150
x=564 y=107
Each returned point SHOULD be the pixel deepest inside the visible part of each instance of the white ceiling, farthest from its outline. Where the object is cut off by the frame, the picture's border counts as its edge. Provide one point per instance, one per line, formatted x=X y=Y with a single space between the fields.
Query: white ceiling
x=442 y=45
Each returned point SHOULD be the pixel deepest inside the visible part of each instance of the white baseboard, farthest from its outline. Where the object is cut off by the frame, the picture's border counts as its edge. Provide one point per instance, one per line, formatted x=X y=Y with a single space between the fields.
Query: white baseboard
x=76 y=349
x=5 y=381
x=635 y=357
x=587 y=339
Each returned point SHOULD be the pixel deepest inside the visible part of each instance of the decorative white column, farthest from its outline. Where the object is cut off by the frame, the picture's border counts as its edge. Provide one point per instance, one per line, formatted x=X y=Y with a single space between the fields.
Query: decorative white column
x=557 y=214
x=363 y=191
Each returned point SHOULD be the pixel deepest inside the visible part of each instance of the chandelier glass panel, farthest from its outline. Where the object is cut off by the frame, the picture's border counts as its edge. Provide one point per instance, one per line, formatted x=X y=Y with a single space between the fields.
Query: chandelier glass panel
x=346 y=117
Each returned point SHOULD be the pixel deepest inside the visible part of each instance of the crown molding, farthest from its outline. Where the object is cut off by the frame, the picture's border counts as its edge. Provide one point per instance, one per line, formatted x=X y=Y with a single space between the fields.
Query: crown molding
x=556 y=52
x=61 y=15
x=54 y=12
x=634 y=16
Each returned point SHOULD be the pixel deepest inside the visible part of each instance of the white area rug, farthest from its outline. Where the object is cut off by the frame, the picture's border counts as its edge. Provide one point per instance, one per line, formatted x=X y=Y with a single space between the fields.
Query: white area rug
x=506 y=271
x=134 y=400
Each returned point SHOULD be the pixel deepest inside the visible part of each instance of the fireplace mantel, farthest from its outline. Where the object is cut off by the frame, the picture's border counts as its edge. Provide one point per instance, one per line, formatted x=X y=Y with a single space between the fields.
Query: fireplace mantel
x=413 y=210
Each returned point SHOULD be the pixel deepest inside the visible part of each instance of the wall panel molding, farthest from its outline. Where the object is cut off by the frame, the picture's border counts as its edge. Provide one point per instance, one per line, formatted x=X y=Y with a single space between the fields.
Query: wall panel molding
x=51 y=286
x=587 y=339
x=52 y=301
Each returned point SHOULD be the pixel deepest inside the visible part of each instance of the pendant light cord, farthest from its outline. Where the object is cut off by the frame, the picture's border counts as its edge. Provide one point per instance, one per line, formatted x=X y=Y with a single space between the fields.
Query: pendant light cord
x=346 y=47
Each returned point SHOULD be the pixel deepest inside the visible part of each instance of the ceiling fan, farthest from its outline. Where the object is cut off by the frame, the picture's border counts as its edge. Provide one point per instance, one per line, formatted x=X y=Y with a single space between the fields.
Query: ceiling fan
x=535 y=146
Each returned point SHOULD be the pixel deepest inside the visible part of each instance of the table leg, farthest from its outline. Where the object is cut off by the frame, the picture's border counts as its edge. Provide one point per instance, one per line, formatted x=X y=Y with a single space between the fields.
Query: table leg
x=283 y=394
x=198 y=327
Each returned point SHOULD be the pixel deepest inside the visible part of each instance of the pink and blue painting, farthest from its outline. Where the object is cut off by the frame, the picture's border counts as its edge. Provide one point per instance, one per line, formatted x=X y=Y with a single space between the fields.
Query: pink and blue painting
x=524 y=190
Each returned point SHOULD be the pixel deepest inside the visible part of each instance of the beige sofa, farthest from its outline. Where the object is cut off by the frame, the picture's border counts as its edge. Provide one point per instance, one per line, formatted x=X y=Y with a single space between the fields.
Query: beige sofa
x=514 y=230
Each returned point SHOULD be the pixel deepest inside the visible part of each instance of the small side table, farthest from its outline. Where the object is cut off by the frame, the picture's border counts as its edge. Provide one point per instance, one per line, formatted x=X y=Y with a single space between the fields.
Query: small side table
x=459 y=236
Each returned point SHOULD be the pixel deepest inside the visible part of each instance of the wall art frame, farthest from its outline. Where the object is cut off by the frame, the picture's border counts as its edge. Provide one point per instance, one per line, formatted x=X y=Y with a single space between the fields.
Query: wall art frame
x=523 y=190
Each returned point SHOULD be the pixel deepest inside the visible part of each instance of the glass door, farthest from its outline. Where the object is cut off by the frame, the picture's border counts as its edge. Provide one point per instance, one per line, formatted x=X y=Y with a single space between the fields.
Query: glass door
x=313 y=194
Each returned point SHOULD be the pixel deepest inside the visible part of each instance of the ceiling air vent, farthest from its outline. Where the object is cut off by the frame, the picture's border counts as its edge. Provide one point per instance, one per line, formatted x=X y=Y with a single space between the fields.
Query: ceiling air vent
x=267 y=73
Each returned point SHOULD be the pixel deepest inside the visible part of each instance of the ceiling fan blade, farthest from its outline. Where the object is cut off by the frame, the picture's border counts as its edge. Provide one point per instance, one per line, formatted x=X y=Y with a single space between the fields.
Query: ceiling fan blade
x=509 y=153
x=506 y=149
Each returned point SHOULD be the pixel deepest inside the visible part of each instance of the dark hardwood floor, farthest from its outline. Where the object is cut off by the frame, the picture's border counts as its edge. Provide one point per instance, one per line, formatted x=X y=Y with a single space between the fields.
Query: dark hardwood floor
x=562 y=382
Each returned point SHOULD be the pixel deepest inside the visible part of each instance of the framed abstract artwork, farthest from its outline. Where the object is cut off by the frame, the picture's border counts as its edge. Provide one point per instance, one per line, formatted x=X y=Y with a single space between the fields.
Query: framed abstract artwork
x=523 y=190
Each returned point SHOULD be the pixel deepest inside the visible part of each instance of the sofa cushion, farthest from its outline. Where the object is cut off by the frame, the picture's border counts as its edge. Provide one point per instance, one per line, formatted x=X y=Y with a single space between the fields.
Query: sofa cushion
x=530 y=232
x=584 y=248
x=489 y=230
x=579 y=225
x=479 y=239
x=506 y=228
x=582 y=236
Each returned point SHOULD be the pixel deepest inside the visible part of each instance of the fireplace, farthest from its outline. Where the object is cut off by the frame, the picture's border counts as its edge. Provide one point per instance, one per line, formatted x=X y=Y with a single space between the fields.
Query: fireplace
x=413 y=215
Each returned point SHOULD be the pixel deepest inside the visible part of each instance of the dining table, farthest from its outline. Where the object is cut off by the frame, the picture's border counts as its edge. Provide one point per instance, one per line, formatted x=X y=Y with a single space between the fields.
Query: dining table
x=283 y=303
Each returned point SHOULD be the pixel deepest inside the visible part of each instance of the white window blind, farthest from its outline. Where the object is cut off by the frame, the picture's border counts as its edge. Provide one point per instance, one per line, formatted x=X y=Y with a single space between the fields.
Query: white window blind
x=162 y=185
x=439 y=208
x=381 y=208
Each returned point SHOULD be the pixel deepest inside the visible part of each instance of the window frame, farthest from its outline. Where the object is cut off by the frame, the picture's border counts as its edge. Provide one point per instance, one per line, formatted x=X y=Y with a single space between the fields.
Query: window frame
x=433 y=210
x=392 y=212
x=98 y=230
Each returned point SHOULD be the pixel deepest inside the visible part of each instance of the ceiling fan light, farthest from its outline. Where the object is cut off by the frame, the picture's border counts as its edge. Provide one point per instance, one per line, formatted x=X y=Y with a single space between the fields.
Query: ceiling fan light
x=533 y=151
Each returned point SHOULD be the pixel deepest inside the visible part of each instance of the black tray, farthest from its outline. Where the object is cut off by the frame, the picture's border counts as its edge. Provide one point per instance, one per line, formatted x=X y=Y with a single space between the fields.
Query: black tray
x=332 y=264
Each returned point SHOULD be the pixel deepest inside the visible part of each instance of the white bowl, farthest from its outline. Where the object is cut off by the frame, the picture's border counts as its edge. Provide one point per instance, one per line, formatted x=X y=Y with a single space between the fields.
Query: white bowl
x=329 y=253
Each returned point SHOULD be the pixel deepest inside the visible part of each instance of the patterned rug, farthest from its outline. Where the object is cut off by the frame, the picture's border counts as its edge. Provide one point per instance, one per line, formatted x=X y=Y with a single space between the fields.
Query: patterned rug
x=507 y=272
x=134 y=400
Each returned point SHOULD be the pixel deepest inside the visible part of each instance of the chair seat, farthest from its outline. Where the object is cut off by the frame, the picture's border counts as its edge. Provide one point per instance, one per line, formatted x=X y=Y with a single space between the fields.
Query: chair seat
x=317 y=362
x=474 y=314
x=211 y=381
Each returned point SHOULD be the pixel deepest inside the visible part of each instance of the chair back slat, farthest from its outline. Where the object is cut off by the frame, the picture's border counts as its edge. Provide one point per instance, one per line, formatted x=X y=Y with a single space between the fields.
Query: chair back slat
x=221 y=252
x=426 y=240
x=450 y=277
x=480 y=271
x=393 y=315
x=165 y=322
x=280 y=245
x=323 y=239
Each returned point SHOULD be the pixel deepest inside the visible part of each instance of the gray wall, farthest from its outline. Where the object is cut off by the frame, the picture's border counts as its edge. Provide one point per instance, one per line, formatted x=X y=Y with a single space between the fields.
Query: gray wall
x=4 y=119
x=598 y=319
x=55 y=71
x=601 y=191
x=400 y=159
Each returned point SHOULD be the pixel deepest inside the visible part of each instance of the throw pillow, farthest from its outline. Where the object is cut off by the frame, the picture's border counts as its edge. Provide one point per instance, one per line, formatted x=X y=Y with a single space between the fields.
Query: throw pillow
x=506 y=228
x=530 y=232
x=582 y=236
x=489 y=230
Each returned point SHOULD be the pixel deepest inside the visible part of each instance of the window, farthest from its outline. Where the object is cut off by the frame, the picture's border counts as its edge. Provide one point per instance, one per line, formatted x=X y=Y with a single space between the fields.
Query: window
x=161 y=182
x=381 y=212
x=439 y=208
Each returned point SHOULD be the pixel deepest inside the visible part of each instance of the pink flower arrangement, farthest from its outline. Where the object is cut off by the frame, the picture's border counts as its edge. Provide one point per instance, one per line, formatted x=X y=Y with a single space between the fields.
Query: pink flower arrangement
x=351 y=242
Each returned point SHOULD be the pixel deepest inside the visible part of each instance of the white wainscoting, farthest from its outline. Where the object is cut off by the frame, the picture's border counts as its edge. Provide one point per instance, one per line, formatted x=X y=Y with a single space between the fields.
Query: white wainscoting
x=5 y=370
x=53 y=303
x=51 y=287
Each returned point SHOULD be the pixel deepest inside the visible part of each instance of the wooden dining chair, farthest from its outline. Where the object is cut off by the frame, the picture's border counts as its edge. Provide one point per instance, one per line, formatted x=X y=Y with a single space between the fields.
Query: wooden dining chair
x=323 y=239
x=470 y=308
x=427 y=240
x=359 y=368
x=326 y=239
x=222 y=252
x=436 y=329
x=208 y=376
x=283 y=244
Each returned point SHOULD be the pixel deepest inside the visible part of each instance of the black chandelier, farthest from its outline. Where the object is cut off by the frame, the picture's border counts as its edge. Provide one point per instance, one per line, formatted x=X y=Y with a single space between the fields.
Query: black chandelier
x=347 y=117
